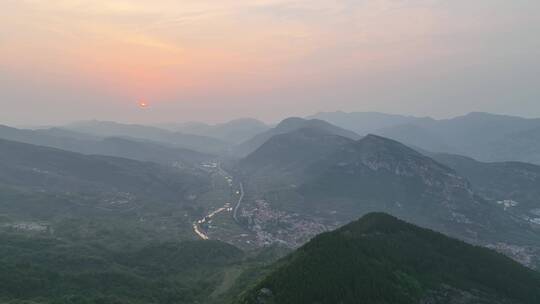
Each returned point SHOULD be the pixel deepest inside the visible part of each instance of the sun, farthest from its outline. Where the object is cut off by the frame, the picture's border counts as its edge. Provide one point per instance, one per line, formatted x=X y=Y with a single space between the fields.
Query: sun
x=143 y=104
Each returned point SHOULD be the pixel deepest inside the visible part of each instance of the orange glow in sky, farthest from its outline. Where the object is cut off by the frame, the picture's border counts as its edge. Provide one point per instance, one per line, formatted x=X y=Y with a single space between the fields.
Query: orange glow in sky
x=159 y=48
x=262 y=57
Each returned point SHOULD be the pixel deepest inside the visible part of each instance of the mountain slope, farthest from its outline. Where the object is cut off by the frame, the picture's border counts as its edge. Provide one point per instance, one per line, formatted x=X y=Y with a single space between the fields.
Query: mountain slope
x=111 y=146
x=52 y=270
x=519 y=146
x=291 y=153
x=289 y=125
x=380 y=259
x=53 y=170
x=376 y=174
x=484 y=136
x=513 y=185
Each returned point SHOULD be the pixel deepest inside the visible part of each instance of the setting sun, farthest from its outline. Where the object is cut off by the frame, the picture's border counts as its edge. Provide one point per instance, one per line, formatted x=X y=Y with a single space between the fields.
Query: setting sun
x=143 y=104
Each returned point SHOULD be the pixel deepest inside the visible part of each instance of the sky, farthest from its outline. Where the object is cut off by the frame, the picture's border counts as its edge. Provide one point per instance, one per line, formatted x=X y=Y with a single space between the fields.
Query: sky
x=214 y=60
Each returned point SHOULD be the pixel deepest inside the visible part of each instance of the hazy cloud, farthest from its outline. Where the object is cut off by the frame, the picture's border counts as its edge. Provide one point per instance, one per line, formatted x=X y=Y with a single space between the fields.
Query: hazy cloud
x=214 y=60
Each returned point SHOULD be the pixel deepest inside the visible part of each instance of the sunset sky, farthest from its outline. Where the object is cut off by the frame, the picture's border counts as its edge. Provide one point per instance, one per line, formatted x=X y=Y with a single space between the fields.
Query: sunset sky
x=213 y=60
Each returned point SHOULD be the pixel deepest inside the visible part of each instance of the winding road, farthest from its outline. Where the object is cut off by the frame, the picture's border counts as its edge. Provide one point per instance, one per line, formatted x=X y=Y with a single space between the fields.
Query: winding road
x=235 y=212
x=197 y=224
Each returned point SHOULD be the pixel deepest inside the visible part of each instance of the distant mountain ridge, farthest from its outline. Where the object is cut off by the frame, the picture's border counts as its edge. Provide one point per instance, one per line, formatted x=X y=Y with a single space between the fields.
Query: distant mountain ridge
x=132 y=131
x=289 y=125
x=234 y=131
x=111 y=146
x=366 y=122
x=514 y=186
x=484 y=136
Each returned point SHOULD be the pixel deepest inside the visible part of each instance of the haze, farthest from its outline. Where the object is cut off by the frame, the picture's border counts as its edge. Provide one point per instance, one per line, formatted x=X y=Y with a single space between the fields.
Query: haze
x=208 y=60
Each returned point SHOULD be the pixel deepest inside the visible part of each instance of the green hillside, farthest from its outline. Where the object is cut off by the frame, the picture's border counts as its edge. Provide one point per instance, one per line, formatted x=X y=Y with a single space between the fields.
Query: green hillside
x=45 y=270
x=47 y=169
x=380 y=259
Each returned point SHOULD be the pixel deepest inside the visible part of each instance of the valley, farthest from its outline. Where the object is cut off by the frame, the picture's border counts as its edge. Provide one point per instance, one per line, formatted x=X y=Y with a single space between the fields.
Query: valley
x=269 y=152
x=216 y=226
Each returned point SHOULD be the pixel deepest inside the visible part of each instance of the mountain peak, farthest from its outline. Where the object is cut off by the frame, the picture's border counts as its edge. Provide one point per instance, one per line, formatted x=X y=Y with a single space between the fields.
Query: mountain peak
x=375 y=143
x=379 y=222
x=380 y=258
x=292 y=123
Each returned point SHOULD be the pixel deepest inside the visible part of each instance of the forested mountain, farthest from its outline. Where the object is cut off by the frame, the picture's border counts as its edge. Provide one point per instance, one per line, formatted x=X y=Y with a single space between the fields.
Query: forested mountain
x=380 y=259
x=45 y=169
x=336 y=179
x=289 y=154
x=47 y=270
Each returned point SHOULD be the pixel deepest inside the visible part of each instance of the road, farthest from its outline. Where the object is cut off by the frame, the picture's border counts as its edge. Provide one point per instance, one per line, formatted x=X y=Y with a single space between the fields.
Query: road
x=197 y=224
x=198 y=231
x=235 y=212
x=228 y=177
x=227 y=207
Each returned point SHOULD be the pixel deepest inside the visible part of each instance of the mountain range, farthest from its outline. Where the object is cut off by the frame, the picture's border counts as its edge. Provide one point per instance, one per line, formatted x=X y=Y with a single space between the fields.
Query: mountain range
x=321 y=175
x=137 y=149
x=484 y=136
x=100 y=212
x=132 y=131
x=234 y=131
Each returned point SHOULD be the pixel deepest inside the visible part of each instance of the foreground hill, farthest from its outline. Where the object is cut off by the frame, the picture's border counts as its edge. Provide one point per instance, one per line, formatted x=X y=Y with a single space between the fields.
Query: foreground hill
x=380 y=259
x=290 y=125
x=50 y=270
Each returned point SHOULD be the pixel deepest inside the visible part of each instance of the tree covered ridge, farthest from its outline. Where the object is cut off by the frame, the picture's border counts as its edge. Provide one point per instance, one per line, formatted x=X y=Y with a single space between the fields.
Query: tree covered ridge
x=45 y=270
x=381 y=259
